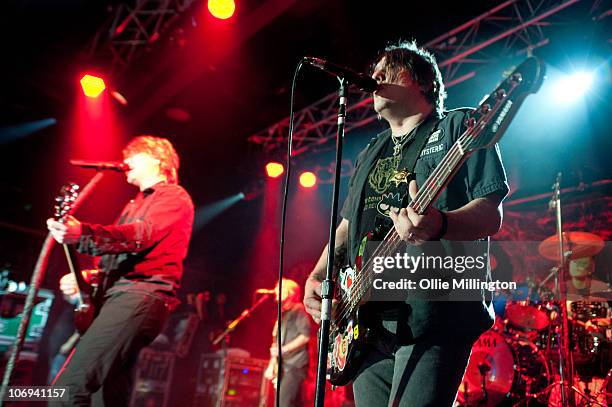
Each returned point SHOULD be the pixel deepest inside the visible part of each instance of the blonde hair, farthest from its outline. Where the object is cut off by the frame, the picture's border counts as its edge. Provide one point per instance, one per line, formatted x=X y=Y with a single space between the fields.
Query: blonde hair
x=291 y=288
x=159 y=148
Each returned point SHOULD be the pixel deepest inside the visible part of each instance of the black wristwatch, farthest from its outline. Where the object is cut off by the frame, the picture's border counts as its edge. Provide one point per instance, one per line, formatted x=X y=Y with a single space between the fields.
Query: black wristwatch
x=443 y=227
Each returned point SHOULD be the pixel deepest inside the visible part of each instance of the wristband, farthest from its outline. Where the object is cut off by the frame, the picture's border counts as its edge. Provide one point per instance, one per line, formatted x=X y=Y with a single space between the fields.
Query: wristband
x=443 y=227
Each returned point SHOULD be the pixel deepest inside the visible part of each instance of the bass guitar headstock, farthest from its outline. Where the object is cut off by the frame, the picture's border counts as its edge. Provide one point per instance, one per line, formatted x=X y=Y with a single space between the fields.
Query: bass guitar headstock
x=488 y=122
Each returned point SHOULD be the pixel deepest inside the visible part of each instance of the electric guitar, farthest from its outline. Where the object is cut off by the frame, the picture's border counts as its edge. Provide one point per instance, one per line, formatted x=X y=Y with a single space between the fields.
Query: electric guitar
x=84 y=311
x=485 y=125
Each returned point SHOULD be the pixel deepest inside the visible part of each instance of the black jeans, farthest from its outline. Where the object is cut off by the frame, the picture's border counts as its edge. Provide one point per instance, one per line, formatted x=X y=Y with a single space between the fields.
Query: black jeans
x=104 y=359
x=419 y=375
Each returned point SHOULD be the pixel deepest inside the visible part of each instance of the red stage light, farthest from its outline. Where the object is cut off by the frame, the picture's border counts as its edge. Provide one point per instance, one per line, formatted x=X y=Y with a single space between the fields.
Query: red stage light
x=308 y=179
x=221 y=9
x=92 y=86
x=274 y=170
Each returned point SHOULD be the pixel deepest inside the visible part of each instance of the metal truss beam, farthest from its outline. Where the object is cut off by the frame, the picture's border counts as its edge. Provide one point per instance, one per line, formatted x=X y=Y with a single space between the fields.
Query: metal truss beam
x=516 y=25
x=133 y=27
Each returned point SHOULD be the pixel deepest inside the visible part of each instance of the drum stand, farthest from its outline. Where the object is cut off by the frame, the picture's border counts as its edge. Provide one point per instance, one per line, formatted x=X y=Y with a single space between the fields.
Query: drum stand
x=484 y=368
x=566 y=368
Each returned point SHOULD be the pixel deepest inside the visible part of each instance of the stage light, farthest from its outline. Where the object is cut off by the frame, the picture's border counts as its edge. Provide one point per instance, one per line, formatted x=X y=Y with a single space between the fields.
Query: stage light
x=308 y=179
x=119 y=97
x=572 y=87
x=92 y=86
x=221 y=9
x=274 y=169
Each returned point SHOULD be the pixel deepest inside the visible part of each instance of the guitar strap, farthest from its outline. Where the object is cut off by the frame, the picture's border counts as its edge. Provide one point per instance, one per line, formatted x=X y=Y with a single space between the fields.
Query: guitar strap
x=412 y=150
x=410 y=156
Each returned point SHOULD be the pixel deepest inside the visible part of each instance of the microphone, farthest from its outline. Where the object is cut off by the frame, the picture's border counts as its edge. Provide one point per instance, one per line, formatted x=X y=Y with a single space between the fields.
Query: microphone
x=101 y=165
x=362 y=81
x=265 y=291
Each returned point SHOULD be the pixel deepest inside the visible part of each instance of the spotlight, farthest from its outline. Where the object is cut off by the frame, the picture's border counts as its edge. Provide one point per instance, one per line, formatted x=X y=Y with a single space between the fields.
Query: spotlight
x=274 y=169
x=572 y=87
x=92 y=86
x=308 y=179
x=221 y=9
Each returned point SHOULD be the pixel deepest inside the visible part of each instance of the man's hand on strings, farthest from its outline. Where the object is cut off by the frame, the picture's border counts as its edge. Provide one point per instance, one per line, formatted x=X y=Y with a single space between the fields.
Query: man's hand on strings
x=414 y=228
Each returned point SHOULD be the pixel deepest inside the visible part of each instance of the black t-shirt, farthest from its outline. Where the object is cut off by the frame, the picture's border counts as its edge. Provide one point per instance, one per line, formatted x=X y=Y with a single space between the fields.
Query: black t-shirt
x=386 y=187
x=480 y=175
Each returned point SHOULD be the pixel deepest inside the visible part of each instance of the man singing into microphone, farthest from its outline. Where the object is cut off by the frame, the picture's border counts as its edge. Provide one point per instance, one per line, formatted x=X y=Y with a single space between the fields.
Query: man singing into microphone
x=141 y=269
x=419 y=349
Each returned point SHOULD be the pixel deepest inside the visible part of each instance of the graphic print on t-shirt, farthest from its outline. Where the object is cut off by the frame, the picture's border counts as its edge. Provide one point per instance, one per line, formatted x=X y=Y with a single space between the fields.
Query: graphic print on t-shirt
x=387 y=185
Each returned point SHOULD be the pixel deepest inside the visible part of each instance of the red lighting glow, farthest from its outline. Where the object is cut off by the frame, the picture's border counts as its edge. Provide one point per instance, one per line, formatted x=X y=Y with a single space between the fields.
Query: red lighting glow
x=308 y=179
x=274 y=170
x=92 y=86
x=221 y=9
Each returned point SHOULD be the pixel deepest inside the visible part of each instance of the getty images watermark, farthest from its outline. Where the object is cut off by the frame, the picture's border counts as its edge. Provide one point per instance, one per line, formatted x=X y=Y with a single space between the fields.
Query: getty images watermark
x=473 y=271
x=412 y=264
x=457 y=271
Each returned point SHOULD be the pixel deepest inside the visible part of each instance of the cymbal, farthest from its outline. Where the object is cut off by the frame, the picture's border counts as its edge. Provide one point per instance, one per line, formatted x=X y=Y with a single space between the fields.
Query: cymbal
x=581 y=244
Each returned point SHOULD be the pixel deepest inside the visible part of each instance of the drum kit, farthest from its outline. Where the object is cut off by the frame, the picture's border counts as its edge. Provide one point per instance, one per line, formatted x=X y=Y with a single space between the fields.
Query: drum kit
x=517 y=362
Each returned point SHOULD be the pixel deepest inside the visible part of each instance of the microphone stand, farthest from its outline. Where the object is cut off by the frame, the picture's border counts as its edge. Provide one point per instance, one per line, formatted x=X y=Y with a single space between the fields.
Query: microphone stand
x=327 y=287
x=566 y=371
x=243 y=315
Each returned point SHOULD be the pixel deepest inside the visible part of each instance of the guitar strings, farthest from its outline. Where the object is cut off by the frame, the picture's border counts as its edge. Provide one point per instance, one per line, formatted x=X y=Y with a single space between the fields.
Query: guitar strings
x=391 y=245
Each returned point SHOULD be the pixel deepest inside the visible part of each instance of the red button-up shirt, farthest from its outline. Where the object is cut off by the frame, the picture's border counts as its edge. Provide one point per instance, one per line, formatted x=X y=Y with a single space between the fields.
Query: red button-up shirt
x=144 y=250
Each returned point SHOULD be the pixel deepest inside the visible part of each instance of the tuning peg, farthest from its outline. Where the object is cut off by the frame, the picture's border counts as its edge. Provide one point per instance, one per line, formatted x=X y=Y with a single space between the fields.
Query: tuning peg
x=500 y=94
x=485 y=108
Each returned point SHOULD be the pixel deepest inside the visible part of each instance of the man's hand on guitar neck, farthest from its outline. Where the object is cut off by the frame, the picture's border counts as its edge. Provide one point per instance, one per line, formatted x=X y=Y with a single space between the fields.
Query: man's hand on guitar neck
x=312 y=290
x=312 y=298
x=67 y=232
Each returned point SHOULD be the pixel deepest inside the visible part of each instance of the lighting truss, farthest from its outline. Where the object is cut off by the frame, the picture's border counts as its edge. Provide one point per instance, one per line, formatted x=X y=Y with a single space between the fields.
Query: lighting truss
x=517 y=26
x=133 y=27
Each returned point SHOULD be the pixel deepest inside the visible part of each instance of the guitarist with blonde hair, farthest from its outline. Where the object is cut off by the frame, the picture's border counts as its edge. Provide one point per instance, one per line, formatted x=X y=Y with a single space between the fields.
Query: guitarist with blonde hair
x=295 y=335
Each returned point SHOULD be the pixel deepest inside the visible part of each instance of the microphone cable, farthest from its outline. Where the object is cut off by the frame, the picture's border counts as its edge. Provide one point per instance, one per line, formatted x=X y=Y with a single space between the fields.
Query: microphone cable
x=282 y=233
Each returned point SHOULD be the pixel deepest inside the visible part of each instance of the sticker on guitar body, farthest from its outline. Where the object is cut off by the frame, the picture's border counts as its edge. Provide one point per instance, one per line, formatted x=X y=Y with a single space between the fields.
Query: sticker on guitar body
x=341 y=344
